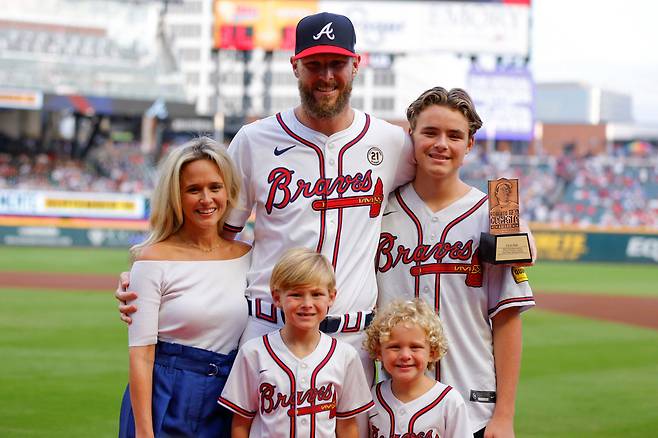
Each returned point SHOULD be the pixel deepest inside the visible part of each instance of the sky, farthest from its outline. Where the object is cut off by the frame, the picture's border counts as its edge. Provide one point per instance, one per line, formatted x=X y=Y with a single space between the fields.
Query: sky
x=607 y=43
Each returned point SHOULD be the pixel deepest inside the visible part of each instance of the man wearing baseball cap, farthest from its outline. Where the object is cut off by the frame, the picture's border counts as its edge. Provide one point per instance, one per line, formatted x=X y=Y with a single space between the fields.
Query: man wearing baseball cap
x=318 y=176
x=324 y=33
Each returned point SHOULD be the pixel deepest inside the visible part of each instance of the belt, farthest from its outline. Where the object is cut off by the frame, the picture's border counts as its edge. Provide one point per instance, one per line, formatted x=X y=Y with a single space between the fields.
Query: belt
x=352 y=322
x=197 y=360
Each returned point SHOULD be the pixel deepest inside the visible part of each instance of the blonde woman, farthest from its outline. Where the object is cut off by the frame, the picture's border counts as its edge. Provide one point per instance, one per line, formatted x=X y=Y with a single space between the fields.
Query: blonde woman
x=190 y=286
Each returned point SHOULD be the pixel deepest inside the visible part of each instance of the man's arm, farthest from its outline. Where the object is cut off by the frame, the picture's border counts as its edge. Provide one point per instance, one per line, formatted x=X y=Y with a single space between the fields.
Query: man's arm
x=123 y=296
x=507 y=343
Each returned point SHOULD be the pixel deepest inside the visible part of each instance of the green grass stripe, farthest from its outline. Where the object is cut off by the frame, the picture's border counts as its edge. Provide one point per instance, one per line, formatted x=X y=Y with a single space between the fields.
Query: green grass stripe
x=64 y=364
x=585 y=378
x=65 y=260
x=601 y=278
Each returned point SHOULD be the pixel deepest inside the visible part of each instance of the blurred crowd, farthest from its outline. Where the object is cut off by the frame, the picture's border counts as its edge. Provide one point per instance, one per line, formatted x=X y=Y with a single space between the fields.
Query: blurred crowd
x=112 y=167
x=600 y=190
x=597 y=190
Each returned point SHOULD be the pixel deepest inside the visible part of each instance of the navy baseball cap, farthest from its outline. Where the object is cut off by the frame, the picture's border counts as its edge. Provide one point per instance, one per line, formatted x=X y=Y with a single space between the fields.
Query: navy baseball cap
x=324 y=33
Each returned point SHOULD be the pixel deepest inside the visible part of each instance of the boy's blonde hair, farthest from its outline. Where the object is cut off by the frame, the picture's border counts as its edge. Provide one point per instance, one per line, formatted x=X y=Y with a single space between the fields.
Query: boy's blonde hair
x=302 y=267
x=411 y=312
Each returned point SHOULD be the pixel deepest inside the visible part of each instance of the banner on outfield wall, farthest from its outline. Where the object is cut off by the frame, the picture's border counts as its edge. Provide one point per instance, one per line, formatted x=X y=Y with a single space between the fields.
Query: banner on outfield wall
x=596 y=247
x=73 y=204
x=65 y=237
x=21 y=99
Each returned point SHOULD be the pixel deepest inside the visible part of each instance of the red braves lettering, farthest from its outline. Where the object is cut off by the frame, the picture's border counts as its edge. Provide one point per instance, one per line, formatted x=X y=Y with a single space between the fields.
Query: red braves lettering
x=280 y=180
x=374 y=433
x=388 y=259
x=271 y=399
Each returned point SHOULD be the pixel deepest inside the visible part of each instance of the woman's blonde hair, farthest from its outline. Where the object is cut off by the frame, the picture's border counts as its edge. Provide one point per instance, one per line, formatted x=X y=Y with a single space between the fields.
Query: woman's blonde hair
x=412 y=312
x=302 y=267
x=166 y=210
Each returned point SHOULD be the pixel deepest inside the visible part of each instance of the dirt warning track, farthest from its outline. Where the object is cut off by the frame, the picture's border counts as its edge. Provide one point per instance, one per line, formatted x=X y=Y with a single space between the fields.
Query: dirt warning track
x=638 y=311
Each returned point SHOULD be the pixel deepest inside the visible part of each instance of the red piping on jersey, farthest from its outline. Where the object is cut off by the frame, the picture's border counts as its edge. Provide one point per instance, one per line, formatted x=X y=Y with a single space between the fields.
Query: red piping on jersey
x=356 y=411
x=419 y=230
x=291 y=376
x=318 y=151
x=427 y=408
x=358 y=138
x=314 y=377
x=528 y=300
x=455 y=221
x=387 y=408
x=232 y=228
x=237 y=409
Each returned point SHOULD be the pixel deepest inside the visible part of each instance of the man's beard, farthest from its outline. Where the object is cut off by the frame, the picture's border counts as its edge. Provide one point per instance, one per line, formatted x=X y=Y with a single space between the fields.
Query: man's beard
x=324 y=110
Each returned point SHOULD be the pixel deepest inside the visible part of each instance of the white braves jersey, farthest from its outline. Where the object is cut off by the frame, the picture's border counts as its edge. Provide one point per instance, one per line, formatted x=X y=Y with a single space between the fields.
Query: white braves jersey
x=439 y=413
x=320 y=192
x=328 y=384
x=434 y=256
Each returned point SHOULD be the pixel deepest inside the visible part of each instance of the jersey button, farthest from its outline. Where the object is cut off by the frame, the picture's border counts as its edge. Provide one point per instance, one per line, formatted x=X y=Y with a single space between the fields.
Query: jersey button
x=332 y=161
x=304 y=421
x=331 y=145
x=303 y=365
x=434 y=219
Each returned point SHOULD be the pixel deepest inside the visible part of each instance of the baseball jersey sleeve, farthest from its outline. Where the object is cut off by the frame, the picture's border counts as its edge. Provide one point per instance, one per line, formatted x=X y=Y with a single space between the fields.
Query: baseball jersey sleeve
x=146 y=279
x=240 y=393
x=507 y=287
x=406 y=167
x=240 y=152
x=355 y=396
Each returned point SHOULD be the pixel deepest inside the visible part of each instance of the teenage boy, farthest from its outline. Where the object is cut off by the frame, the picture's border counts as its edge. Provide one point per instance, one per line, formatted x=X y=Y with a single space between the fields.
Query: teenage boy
x=429 y=249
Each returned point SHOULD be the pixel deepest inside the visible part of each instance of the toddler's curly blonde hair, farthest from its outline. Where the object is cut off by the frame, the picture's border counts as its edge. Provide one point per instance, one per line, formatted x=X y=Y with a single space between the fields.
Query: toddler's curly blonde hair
x=411 y=312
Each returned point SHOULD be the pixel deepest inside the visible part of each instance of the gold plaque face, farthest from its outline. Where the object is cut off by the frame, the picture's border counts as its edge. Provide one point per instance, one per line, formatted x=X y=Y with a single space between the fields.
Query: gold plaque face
x=512 y=248
x=504 y=206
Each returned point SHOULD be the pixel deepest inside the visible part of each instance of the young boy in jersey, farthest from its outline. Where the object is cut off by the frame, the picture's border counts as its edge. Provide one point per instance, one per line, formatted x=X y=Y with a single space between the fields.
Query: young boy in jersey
x=298 y=381
x=407 y=338
x=429 y=249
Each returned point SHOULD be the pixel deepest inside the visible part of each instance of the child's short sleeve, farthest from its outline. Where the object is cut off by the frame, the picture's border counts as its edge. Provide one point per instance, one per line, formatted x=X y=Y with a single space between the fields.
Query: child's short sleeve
x=355 y=396
x=240 y=393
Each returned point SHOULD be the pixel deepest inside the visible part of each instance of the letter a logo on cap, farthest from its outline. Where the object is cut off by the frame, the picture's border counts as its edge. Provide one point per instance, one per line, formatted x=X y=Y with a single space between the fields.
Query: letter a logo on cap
x=326 y=30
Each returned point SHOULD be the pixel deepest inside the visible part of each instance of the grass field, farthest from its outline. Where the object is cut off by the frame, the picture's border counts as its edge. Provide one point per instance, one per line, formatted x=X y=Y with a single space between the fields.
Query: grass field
x=64 y=361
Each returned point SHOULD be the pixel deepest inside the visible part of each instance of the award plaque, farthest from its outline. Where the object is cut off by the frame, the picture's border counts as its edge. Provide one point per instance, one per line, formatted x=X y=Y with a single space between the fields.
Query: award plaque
x=504 y=243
